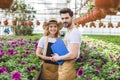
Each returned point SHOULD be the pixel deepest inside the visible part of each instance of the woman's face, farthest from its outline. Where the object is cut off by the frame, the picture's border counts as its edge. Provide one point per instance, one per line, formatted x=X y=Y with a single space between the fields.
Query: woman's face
x=52 y=28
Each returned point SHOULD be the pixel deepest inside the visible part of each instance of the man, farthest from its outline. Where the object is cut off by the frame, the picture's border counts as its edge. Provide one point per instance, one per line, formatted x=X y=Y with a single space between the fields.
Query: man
x=72 y=40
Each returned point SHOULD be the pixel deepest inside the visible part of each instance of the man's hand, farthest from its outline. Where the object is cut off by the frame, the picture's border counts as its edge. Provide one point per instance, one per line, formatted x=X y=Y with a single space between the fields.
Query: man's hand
x=55 y=57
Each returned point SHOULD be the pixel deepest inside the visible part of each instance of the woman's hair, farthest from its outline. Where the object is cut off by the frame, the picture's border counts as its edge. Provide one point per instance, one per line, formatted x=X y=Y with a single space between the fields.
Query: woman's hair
x=66 y=10
x=57 y=34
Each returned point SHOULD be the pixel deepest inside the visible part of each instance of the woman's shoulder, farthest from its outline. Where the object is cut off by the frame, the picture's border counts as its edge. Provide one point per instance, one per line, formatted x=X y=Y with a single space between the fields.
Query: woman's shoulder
x=43 y=38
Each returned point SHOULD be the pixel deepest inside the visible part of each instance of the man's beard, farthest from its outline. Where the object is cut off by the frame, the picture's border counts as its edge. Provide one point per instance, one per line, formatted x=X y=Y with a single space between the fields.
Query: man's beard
x=66 y=24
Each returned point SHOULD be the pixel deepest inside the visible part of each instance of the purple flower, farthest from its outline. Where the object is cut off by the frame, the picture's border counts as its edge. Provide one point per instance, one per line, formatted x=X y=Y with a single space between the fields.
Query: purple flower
x=14 y=44
x=111 y=57
x=96 y=72
x=33 y=67
x=92 y=63
x=16 y=76
x=80 y=72
x=118 y=58
x=3 y=69
x=98 y=68
x=36 y=45
x=23 y=63
x=103 y=63
x=11 y=52
x=81 y=56
x=26 y=52
x=82 y=63
x=1 y=53
x=118 y=79
x=21 y=44
x=95 y=47
x=28 y=69
x=113 y=71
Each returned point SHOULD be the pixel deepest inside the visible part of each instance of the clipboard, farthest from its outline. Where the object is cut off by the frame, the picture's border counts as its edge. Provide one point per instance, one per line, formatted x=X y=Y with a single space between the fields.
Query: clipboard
x=60 y=48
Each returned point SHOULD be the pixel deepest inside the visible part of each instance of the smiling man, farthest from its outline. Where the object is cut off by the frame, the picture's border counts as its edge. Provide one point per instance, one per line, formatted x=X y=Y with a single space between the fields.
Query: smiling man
x=73 y=41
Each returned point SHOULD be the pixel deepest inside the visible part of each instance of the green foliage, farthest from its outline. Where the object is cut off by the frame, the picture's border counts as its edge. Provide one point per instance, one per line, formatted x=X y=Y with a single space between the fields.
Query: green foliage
x=90 y=8
x=99 y=58
x=22 y=12
x=22 y=30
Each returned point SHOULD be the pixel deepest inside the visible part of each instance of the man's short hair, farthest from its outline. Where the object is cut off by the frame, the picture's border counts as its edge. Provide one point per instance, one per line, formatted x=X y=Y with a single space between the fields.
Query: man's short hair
x=66 y=10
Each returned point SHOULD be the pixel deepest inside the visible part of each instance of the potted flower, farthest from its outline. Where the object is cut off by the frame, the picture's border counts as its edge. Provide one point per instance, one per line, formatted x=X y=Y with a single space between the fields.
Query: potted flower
x=110 y=25
x=118 y=24
x=92 y=24
x=37 y=23
x=101 y=24
x=97 y=13
x=29 y=23
x=21 y=23
x=5 y=3
x=106 y=3
x=13 y=22
x=5 y=22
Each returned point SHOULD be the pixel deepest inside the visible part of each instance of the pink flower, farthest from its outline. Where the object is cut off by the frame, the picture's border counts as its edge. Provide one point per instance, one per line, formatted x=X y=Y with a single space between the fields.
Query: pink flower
x=28 y=69
x=80 y=72
x=87 y=78
x=23 y=63
x=1 y=53
x=16 y=76
x=3 y=69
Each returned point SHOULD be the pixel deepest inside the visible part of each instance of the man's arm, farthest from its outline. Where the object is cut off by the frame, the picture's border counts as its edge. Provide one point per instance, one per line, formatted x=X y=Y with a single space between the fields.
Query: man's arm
x=71 y=55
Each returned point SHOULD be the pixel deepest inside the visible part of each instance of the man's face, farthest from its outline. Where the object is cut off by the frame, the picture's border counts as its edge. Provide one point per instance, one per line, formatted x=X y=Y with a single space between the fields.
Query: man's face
x=66 y=20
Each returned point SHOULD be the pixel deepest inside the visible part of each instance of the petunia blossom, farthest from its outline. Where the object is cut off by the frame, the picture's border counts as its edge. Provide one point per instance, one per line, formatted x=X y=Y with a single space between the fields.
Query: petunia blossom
x=80 y=72
x=16 y=76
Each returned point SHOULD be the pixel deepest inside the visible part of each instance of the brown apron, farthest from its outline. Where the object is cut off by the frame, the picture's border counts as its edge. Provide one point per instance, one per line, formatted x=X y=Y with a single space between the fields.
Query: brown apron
x=67 y=70
x=49 y=71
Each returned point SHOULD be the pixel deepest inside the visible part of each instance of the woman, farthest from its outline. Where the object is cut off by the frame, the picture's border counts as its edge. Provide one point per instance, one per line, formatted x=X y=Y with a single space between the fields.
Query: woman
x=51 y=34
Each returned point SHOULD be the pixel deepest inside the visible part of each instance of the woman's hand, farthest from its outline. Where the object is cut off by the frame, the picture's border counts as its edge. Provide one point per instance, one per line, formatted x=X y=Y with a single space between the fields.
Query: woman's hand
x=55 y=58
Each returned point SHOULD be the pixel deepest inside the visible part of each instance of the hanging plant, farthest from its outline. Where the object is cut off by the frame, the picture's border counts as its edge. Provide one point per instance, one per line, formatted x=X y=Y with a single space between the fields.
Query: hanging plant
x=21 y=23
x=110 y=25
x=13 y=23
x=44 y=25
x=5 y=3
x=118 y=7
x=92 y=24
x=83 y=24
x=97 y=13
x=5 y=22
x=118 y=25
x=90 y=16
x=109 y=11
x=106 y=3
x=101 y=24
x=37 y=23
x=29 y=23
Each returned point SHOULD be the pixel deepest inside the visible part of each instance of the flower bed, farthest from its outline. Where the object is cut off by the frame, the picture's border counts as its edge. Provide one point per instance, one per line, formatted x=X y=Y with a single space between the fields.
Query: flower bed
x=18 y=60
x=99 y=59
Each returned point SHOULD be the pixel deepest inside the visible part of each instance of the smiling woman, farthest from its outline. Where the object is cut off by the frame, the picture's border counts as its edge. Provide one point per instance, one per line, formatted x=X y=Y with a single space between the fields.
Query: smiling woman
x=5 y=3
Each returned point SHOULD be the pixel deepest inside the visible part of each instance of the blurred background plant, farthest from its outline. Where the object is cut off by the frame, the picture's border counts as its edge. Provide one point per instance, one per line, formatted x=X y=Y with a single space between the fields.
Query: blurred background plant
x=22 y=17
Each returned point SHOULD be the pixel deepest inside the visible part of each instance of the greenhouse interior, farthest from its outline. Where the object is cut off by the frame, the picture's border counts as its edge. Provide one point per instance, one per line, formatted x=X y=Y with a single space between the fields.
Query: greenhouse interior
x=21 y=29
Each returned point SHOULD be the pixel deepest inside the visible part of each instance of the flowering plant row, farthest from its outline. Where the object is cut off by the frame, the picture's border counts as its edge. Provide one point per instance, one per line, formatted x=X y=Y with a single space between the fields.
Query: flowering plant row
x=18 y=60
x=99 y=60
